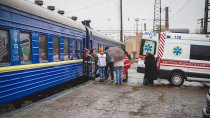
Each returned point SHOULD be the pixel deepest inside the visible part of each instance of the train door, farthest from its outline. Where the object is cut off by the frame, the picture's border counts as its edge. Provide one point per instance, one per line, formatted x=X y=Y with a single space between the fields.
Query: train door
x=86 y=59
x=91 y=61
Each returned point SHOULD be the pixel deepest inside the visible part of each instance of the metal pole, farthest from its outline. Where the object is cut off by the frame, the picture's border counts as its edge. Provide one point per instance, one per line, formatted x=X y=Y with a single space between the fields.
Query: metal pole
x=166 y=19
x=201 y=26
x=141 y=27
x=157 y=16
x=160 y=16
x=121 y=22
x=206 y=17
x=145 y=26
x=137 y=24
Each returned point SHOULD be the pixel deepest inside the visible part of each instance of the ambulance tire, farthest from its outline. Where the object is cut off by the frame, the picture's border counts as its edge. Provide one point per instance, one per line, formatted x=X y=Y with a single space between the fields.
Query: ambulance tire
x=177 y=79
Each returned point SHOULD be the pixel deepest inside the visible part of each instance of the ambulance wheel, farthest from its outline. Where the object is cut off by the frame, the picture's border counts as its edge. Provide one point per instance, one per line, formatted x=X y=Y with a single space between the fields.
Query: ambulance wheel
x=176 y=79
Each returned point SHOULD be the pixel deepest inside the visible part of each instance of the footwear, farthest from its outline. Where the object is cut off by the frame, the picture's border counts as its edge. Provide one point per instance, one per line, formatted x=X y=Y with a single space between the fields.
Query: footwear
x=125 y=80
x=101 y=80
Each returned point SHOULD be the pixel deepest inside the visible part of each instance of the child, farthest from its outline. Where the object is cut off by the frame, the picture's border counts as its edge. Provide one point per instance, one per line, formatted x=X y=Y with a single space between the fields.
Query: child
x=127 y=65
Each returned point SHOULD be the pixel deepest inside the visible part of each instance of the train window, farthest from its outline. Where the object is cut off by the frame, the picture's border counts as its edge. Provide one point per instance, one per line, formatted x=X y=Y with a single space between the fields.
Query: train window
x=43 y=52
x=74 y=49
x=25 y=45
x=66 y=49
x=4 y=47
x=91 y=35
x=102 y=46
x=56 y=49
x=91 y=44
x=98 y=46
x=80 y=49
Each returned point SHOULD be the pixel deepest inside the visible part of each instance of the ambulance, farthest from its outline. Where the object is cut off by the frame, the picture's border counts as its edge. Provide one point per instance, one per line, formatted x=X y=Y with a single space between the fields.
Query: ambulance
x=180 y=57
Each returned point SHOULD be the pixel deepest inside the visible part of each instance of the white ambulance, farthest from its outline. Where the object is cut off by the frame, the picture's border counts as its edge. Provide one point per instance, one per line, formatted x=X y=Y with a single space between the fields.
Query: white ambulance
x=180 y=56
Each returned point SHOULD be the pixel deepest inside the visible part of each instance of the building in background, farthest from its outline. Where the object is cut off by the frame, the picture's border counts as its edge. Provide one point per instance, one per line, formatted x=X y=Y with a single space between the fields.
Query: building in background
x=132 y=44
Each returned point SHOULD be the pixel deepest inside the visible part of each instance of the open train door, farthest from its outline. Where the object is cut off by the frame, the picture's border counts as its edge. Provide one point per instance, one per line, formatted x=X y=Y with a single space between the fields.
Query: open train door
x=86 y=58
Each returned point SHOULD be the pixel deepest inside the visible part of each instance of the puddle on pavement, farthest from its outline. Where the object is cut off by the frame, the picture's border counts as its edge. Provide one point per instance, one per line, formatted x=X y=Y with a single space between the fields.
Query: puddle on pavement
x=140 y=111
x=125 y=94
x=161 y=98
x=136 y=88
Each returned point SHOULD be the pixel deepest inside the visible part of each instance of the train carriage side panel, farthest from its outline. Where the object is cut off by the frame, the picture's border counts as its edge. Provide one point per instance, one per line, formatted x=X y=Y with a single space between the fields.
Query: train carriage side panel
x=15 y=84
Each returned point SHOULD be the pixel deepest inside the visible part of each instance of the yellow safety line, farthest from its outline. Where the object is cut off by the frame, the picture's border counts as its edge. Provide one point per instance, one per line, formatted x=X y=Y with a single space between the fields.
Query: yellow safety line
x=31 y=66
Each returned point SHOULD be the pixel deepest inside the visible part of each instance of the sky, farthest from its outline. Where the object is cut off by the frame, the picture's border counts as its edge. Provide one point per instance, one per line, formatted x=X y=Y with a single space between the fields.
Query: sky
x=104 y=14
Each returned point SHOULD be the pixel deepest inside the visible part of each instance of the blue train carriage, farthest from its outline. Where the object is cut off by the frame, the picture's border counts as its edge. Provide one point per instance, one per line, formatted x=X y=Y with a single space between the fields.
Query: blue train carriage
x=99 y=40
x=96 y=40
x=39 y=49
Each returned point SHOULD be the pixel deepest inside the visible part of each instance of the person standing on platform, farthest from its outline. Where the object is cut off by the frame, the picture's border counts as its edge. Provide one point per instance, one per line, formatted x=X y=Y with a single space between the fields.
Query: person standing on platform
x=110 y=65
x=118 y=55
x=101 y=64
x=150 y=70
x=127 y=62
x=127 y=65
x=95 y=59
x=118 y=65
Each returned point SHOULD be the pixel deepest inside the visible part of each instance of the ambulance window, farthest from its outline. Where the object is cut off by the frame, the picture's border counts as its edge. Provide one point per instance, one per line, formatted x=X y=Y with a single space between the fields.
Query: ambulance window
x=198 y=52
x=147 y=46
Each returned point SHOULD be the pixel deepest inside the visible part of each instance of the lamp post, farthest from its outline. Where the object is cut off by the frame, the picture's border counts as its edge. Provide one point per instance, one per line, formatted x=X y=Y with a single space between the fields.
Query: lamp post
x=121 y=22
x=137 y=21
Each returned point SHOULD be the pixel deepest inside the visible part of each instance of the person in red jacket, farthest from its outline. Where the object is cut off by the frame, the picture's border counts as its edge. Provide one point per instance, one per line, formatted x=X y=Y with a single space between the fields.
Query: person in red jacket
x=127 y=65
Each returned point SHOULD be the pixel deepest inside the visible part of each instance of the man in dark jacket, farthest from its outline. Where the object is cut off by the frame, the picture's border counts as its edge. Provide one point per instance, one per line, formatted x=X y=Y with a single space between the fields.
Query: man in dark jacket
x=150 y=70
x=109 y=65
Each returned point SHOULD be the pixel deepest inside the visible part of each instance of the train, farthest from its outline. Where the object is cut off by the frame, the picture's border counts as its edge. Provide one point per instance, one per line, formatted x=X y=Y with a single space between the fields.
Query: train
x=40 y=49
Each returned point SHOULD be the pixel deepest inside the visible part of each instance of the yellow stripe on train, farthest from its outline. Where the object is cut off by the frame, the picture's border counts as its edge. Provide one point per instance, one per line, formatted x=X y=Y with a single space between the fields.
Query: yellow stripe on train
x=31 y=66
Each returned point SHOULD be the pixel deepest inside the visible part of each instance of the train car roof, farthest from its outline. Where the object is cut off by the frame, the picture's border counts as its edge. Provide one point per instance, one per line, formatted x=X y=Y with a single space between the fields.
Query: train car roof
x=100 y=35
x=40 y=11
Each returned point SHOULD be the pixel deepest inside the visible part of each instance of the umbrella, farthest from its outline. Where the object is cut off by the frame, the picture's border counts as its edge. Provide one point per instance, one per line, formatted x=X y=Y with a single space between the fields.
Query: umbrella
x=117 y=54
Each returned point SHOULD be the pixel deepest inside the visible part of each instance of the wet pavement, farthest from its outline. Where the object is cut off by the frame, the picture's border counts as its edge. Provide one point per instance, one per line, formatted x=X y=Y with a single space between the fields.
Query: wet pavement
x=130 y=100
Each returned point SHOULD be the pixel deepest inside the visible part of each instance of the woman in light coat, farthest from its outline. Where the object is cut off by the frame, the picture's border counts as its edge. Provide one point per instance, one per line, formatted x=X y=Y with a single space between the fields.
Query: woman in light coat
x=101 y=64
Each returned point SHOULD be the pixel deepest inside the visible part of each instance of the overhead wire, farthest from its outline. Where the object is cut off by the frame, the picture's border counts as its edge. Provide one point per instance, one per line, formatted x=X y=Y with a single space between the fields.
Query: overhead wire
x=181 y=8
x=92 y=5
x=170 y=3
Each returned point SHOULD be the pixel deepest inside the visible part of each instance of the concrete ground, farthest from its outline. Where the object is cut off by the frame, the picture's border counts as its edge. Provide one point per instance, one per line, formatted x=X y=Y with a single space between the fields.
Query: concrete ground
x=130 y=100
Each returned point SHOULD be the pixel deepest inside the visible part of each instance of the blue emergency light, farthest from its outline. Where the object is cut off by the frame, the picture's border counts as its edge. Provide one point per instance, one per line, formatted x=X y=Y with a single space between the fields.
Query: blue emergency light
x=168 y=36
